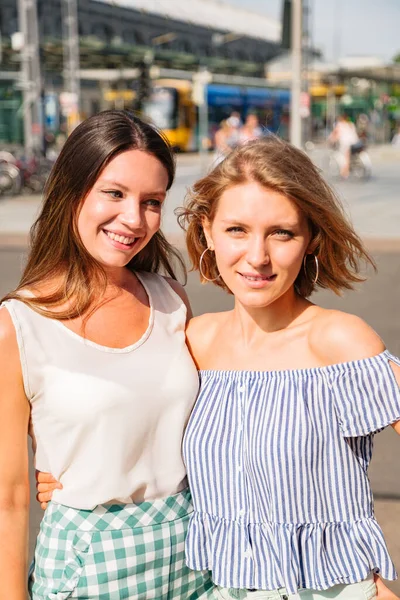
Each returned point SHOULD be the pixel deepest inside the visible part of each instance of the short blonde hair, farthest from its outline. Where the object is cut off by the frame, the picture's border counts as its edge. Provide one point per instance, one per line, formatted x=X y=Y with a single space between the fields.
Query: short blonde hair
x=279 y=166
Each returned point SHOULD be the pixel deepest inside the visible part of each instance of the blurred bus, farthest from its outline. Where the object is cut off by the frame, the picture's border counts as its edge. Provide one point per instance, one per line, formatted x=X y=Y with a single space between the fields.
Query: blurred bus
x=172 y=109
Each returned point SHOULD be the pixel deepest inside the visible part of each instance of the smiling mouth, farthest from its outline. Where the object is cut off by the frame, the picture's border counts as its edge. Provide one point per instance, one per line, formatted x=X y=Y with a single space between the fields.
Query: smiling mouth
x=260 y=278
x=121 y=239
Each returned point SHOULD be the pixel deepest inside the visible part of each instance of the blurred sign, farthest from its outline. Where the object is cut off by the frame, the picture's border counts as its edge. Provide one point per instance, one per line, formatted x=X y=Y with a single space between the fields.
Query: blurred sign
x=346 y=99
x=68 y=103
x=155 y=72
x=200 y=80
x=17 y=41
x=51 y=112
x=304 y=105
x=112 y=95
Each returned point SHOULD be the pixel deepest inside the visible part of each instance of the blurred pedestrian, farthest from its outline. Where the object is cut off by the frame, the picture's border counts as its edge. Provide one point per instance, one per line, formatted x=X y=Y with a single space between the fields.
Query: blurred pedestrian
x=92 y=347
x=345 y=135
x=226 y=138
x=50 y=146
x=362 y=128
x=396 y=138
x=235 y=119
x=291 y=394
x=251 y=129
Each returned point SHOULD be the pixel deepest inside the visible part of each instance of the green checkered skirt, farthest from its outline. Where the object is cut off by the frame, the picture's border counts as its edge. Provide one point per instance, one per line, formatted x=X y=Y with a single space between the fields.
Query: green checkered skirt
x=113 y=552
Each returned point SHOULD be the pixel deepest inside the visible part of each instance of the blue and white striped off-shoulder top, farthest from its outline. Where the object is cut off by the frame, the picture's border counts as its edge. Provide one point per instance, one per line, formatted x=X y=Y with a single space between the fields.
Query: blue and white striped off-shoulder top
x=277 y=465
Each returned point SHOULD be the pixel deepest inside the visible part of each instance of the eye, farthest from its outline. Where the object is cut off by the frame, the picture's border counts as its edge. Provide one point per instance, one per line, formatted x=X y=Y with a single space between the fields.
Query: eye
x=284 y=233
x=114 y=193
x=235 y=229
x=154 y=203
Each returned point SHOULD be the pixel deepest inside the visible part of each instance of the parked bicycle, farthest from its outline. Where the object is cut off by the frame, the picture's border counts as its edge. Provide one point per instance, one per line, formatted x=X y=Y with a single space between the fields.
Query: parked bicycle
x=10 y=174
x=22 y=174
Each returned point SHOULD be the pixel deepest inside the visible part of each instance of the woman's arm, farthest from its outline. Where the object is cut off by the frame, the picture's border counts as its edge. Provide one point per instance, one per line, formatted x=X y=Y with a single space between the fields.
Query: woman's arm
x=382 y=591
x=396 y=371
x=14 y=481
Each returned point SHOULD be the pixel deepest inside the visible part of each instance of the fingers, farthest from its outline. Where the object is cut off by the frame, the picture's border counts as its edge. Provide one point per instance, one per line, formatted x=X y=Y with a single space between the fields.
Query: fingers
x=43 y=505
x=44 y=477
x=43 y=497
x=48 y=487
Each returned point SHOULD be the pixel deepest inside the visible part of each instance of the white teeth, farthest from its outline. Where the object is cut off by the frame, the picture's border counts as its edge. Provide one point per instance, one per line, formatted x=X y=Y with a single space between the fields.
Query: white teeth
x=255 y=278
x=120 y=238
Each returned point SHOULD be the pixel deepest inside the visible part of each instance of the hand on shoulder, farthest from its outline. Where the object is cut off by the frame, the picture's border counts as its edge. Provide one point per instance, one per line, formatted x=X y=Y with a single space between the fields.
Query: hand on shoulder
x=338 y=337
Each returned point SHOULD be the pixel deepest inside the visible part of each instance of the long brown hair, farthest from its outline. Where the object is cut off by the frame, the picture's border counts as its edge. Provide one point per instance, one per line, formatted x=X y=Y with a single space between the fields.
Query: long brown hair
x=58 y=257
x=279 y=166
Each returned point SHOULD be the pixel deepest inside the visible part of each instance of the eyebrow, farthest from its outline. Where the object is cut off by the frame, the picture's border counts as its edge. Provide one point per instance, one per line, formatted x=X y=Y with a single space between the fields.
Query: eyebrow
x=126 y=189
x=114 y=183
x=278 y=224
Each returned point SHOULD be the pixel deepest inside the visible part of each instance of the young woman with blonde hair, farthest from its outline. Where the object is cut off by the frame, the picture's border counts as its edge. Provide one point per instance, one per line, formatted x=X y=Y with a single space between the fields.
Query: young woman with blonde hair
x=291 y=394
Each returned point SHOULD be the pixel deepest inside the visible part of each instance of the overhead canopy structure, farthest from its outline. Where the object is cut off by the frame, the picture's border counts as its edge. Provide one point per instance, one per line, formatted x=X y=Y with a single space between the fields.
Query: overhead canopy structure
x=214 y=14
x=382 y=73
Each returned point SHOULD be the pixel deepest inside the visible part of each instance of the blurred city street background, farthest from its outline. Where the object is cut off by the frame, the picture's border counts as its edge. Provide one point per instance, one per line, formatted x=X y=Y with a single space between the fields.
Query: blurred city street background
x=211 y=74
x=375 y=209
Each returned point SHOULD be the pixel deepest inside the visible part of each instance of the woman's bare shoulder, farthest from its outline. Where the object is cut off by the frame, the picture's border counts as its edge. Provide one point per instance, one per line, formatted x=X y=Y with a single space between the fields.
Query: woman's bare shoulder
x=337 y=337
x=202 y=331
x=9 y=351
x=7 y=329
x=204 y=326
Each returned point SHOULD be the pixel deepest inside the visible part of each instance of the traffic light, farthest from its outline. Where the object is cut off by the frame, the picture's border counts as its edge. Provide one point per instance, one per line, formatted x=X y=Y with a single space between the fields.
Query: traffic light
x=286 y=41
x=144 y=84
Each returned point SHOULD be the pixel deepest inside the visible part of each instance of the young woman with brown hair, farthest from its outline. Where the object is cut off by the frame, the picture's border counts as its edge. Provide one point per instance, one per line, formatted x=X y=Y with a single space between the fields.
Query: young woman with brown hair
x=278 y=443
x=92 y=348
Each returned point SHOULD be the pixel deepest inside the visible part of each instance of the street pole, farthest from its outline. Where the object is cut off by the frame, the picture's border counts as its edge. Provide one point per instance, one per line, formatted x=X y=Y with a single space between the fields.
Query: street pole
x=199 y=94
x=71 y=59
x=25 y=78
x=30 y=78
x=295 y=116
x=36 y=77
x=203 y=127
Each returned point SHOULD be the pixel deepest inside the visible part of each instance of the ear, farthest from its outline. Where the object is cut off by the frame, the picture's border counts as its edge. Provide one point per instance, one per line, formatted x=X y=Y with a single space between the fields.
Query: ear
x=207 y=233
x=312 y=247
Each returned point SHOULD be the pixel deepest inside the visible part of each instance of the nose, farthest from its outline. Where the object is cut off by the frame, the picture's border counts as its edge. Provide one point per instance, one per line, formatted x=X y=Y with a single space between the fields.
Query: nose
x=132 y=215
x=257 y=252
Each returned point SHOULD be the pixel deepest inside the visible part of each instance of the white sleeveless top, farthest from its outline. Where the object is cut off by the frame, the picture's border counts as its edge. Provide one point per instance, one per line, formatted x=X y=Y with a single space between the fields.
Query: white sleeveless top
x=108 y=422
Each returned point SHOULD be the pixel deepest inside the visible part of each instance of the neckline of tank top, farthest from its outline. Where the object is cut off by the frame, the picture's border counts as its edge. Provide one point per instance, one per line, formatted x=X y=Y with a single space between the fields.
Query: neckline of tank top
x=126 y=349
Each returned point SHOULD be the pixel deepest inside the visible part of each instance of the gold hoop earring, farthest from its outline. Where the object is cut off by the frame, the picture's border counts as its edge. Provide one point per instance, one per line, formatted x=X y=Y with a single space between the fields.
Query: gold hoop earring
x=316 y=267
x=201 y=268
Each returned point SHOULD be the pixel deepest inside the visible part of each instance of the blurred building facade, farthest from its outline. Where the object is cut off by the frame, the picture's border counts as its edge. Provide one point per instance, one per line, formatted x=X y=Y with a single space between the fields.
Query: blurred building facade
x=363 y=87
x=127 y=47
x=116 y=36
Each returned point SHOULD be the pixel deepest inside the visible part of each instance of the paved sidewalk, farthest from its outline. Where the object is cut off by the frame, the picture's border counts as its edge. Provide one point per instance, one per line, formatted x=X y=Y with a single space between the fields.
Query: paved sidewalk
x=374 y=206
